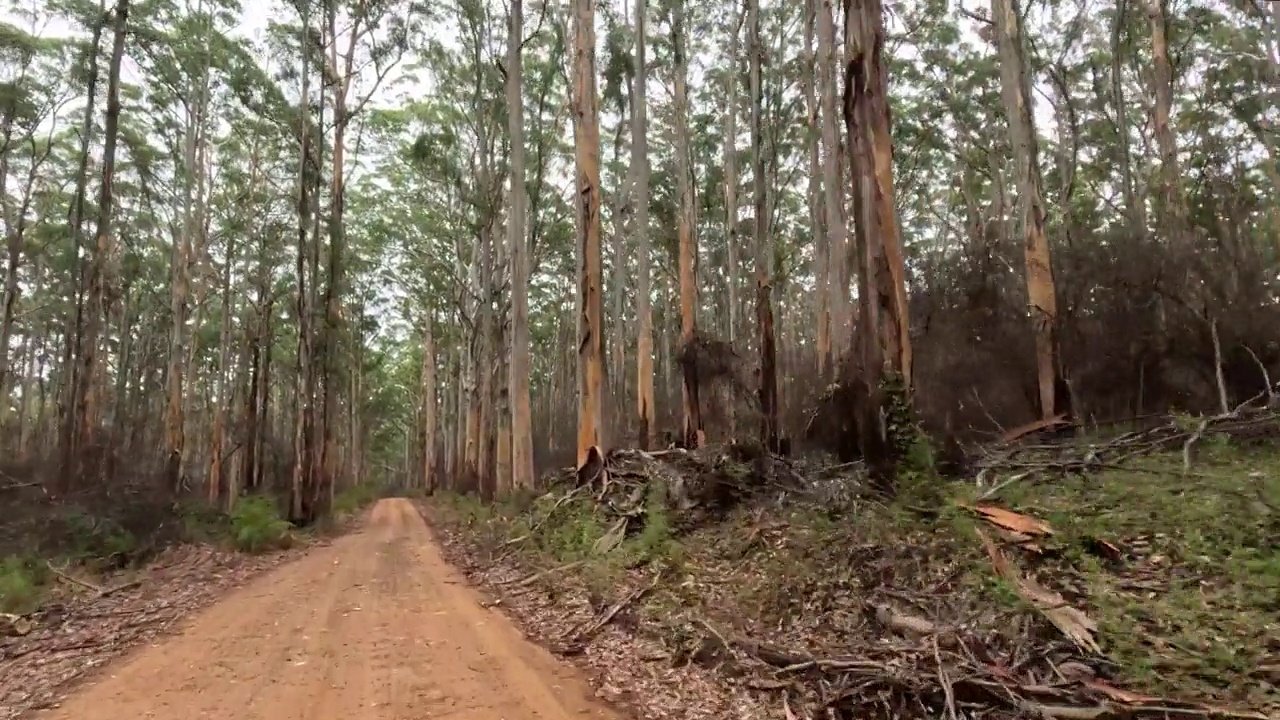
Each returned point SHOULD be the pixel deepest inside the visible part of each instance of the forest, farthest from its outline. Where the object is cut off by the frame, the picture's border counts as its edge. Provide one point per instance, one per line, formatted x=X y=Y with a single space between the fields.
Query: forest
x=308 y=248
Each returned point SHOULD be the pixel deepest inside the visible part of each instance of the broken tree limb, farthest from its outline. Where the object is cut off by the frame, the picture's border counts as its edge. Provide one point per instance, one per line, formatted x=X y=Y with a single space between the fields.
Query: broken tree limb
x=1071 y=622
x=584 y=633
x=526 y=582
x=62 y=575
x=98 y=590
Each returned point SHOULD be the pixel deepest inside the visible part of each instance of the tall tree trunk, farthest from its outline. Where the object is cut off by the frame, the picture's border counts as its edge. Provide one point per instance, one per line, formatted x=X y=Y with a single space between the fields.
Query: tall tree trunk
x=34 y=344
x=179 y=281
x=763 y=247
x=429 y=404
x=617 y=368
x=645 y=410
x=813 y=195
x=484 y=366
x=884 y=346
x=449 y=423
x=1132 y=205
x=303 y=372
x=1174 y=210
x=90 y=389
x=688 y=244
x=462 y=479
x=70 y=388
x=1015 y=81
x=732 y=240
x=587 y=156
x=837 y=280
x=175 y=420
x=13 y=246
x=321 y=494
x=517 y=239
x=223 y=400
x=253 y=400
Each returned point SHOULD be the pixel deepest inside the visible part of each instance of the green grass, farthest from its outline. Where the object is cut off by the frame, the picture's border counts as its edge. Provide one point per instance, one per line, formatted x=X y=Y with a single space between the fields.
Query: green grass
x=22 y=583
x=1193 y=605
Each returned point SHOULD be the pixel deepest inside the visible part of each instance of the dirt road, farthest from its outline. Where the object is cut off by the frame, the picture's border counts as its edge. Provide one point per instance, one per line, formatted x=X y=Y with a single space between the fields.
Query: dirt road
x=374 y=627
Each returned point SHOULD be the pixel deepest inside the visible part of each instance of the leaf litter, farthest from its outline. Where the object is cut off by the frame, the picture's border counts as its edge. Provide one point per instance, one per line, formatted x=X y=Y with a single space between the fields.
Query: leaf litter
x=86 y=625
x=792 y=591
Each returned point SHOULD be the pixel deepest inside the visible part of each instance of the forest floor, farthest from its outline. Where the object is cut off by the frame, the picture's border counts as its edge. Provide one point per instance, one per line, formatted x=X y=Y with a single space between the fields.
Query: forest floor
x=1080 y=579
x=371 y=625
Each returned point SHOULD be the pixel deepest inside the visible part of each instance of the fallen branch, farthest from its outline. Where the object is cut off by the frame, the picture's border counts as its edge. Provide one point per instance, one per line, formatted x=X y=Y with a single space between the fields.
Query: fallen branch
x=526 y=582
x=1071 y=622
x=1217 y=366
x=583 y=634
x=1266 y=377
x=97 y=589
x=117 y=588
x=99 y=592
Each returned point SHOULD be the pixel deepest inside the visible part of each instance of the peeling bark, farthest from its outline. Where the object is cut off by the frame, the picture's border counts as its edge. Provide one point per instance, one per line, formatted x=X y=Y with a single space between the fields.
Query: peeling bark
x=587 y=156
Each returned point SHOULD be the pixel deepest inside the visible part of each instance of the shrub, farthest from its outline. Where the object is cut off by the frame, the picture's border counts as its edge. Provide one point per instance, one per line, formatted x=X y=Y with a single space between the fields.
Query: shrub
x=356 y=497
x=96 y=539
x=20 y=581
x=204 y=523
x=257 y=525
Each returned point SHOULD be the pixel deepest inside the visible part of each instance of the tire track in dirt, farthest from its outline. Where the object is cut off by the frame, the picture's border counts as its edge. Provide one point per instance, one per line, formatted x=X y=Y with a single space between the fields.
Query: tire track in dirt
x=376 y=626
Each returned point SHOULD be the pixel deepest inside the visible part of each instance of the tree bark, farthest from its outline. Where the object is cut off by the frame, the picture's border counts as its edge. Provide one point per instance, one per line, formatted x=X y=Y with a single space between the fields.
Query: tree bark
x=645 y=409
x=768 y=391
x=1015 y=81
x=323 y=482
x=822 y=247
x=732 y=240
x=100 y=274
x=429 y=416
x=837 y=280
x=884 y=346
x=70 y=392
x=688 y=244
x=587 y=157
x=303 y=372
x=223 y=399
x=1175 y=213
x=517 y=239
x=1133 y=206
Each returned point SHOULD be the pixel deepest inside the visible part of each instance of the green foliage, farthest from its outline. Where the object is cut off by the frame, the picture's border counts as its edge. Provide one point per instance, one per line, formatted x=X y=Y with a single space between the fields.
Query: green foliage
x=357 y=497
x=656 y=540
x=258 y=526
x=98 y=540
x=570 y=533
x=1200 y=577
x=203 y=523
x=548 y=531
x=20 y=583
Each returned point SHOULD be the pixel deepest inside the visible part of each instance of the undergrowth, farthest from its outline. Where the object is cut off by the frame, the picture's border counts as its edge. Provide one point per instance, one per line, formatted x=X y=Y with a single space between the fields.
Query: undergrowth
x=96 y=544
x=257 y=525
x=1180 y=571
x=22 y=581
x=556 y=534
x=98 y=541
